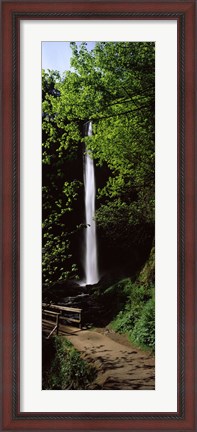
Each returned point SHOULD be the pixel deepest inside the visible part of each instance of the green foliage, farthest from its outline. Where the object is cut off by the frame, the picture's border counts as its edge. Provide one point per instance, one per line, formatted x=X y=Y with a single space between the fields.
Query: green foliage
x=68 y=371
x=127 y=318
x=118 y=86
x=114 y=86
x=60 y=187
x=143 y=333
x=137 y=317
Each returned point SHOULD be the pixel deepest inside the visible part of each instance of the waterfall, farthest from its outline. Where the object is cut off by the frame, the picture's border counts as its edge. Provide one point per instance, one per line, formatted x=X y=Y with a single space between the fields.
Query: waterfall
x=91 y=265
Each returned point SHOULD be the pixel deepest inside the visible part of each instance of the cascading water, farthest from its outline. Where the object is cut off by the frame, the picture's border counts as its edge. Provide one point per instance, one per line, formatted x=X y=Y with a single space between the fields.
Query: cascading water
x=91 y=265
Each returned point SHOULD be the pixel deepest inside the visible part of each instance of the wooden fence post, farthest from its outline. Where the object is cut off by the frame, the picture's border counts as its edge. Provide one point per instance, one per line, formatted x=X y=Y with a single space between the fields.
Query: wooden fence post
x=57 y=322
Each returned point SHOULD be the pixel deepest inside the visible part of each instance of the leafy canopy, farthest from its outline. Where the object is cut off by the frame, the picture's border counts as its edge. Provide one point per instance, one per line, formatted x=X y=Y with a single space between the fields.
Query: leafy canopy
x=113 y=85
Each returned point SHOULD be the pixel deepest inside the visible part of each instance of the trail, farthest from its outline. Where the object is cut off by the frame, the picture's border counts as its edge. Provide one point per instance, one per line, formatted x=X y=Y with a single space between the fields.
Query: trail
x=119 y=365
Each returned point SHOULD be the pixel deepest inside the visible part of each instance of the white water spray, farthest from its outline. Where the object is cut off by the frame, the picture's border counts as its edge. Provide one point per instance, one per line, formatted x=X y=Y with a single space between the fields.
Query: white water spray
x=91 y=265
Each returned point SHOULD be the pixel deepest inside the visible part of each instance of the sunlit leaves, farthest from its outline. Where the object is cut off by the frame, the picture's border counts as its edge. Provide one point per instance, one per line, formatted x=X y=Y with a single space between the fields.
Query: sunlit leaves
x=114 y=86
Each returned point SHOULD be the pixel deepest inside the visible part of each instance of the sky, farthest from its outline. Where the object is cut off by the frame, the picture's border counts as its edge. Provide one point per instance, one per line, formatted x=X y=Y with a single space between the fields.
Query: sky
x=56 y=55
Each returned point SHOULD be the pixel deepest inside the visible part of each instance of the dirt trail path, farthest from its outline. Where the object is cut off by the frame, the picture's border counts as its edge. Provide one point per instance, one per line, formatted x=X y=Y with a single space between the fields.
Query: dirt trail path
x=119 y=365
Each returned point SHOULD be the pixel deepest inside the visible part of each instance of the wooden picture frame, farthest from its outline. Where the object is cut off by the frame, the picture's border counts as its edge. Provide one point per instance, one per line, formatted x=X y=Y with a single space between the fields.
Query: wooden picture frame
x=12 y=13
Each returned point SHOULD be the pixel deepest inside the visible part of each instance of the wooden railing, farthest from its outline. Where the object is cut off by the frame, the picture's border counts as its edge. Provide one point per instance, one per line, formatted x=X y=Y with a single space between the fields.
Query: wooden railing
x=61 y=313
x=52 y=314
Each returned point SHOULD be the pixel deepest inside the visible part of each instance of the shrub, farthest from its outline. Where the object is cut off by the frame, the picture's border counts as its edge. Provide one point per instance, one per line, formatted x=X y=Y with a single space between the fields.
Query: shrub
x=137 y=319
x=143 y=333
x=68 y=370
